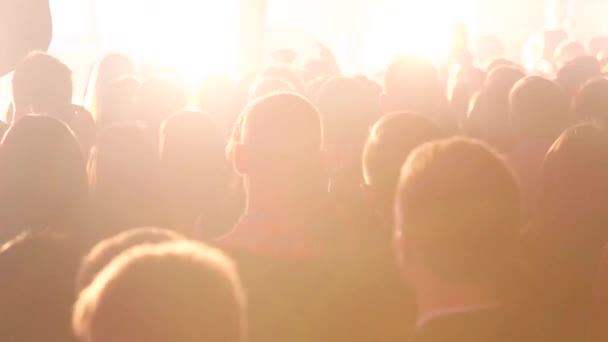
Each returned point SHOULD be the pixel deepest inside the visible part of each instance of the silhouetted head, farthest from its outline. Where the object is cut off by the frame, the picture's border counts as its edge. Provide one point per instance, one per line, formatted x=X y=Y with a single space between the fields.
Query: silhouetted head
x=269 y=85
x=194 y=171
x=458 y=215
x=575 y=183
x=111 y=68
x=567 y=51
x=156 y=100
x=170 y=292
x=42 y=85
x=279 y=150
x=219 y=97
x=116 y=104
x=390 y=142
x=500 y=63
x=577 y=72
x=539 y=109
x=37 y=277
x=105 y=251
x=591 y=102
x=42 y=175
x=488 y=118
x=412 y=84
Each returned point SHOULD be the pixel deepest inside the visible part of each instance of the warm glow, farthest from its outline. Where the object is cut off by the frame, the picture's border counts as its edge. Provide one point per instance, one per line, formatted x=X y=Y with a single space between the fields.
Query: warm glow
x=419 y=27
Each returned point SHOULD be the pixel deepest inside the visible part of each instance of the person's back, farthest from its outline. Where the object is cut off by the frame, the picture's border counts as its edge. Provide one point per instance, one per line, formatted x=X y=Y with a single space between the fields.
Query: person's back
x=194 y=175
x=164 y=293
x=42 y=178
x=123 y=175
x=457 y=220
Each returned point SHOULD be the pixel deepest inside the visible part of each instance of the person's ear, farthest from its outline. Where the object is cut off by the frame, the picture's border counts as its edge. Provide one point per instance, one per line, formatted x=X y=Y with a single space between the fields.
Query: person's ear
x=240 y=159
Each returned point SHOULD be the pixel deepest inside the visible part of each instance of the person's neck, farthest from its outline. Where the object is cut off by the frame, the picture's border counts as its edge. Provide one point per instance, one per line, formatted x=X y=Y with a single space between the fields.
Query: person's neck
x=433 y=296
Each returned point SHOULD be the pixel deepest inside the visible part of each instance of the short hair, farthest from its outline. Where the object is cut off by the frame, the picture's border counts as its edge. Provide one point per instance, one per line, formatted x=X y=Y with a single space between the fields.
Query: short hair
x=105 y=251
x=539 y=108
x=43 y=83
x=459 y=206
x=389 y=144
x=179 y=291
x=37 y=280
x=591 y=102
x=280 y=125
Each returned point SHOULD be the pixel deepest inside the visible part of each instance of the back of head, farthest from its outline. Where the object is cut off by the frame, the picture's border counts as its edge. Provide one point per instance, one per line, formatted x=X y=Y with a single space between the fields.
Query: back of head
x=539 y=109
x=577 y=72
x=156 y=100
x=575 y=181
x=42 y=174
x=123 y=164
x=42 y=85
x=269 y=85
x=173 y=292
x=591 y=102
x=412 y=83
x=106 y=72
x=391 y=141
x=219 y=97
x=37 y=279
x=458 y=209
x=105 y=251
x=567 y=51
x=194 y=169
x=116 y=104
x=281 y=133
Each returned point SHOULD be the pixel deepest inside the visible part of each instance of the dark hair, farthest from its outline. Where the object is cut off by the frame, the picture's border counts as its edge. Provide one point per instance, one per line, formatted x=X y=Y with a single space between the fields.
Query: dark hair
x=116 y=104
x=43 y=85
x=591 y=102
x=37 y=279
x=459 y=205
x=105 y=251
x=391 y=141
x=539 y=109
x=43 y=178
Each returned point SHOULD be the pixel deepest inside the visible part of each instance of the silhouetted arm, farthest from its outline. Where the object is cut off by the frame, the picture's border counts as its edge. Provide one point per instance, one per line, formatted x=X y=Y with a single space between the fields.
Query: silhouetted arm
x=25 y=25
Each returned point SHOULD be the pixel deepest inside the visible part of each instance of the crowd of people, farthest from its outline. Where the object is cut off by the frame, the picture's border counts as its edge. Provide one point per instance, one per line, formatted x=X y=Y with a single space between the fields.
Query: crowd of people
x=303 y=205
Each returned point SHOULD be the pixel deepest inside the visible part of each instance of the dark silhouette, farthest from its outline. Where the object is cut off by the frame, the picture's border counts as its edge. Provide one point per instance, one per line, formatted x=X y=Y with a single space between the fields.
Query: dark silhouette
x=123 y=172
x=194 y=175
x=170 y=292
x=591 y=102
x=577 y=72
x=117 y=103
x=457 y=235
x=105 y=251
x=568 y=236
x=43 y=180
x=110 y=69
x=37 y=278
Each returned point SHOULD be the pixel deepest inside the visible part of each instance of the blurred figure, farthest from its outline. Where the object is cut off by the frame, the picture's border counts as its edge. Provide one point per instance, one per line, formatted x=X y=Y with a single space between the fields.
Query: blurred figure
x=123 y=171
x=412 y=84
x=43 y=182
x=539 y=113
x=194 y=175
x=42 y=84
x=280 y=242
x=489 y=118
x=170 y=292
x=456 y=241
x=156 y=100
x=25 y=25
x=488 y=47
x=568 y=236
x=596 y=45
x=577 y=72
x=220 y=98
x=102 y=254
x=591 y=102
x=116 y=104
x=567 y=51
x=110 y=69
x=37 y=279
